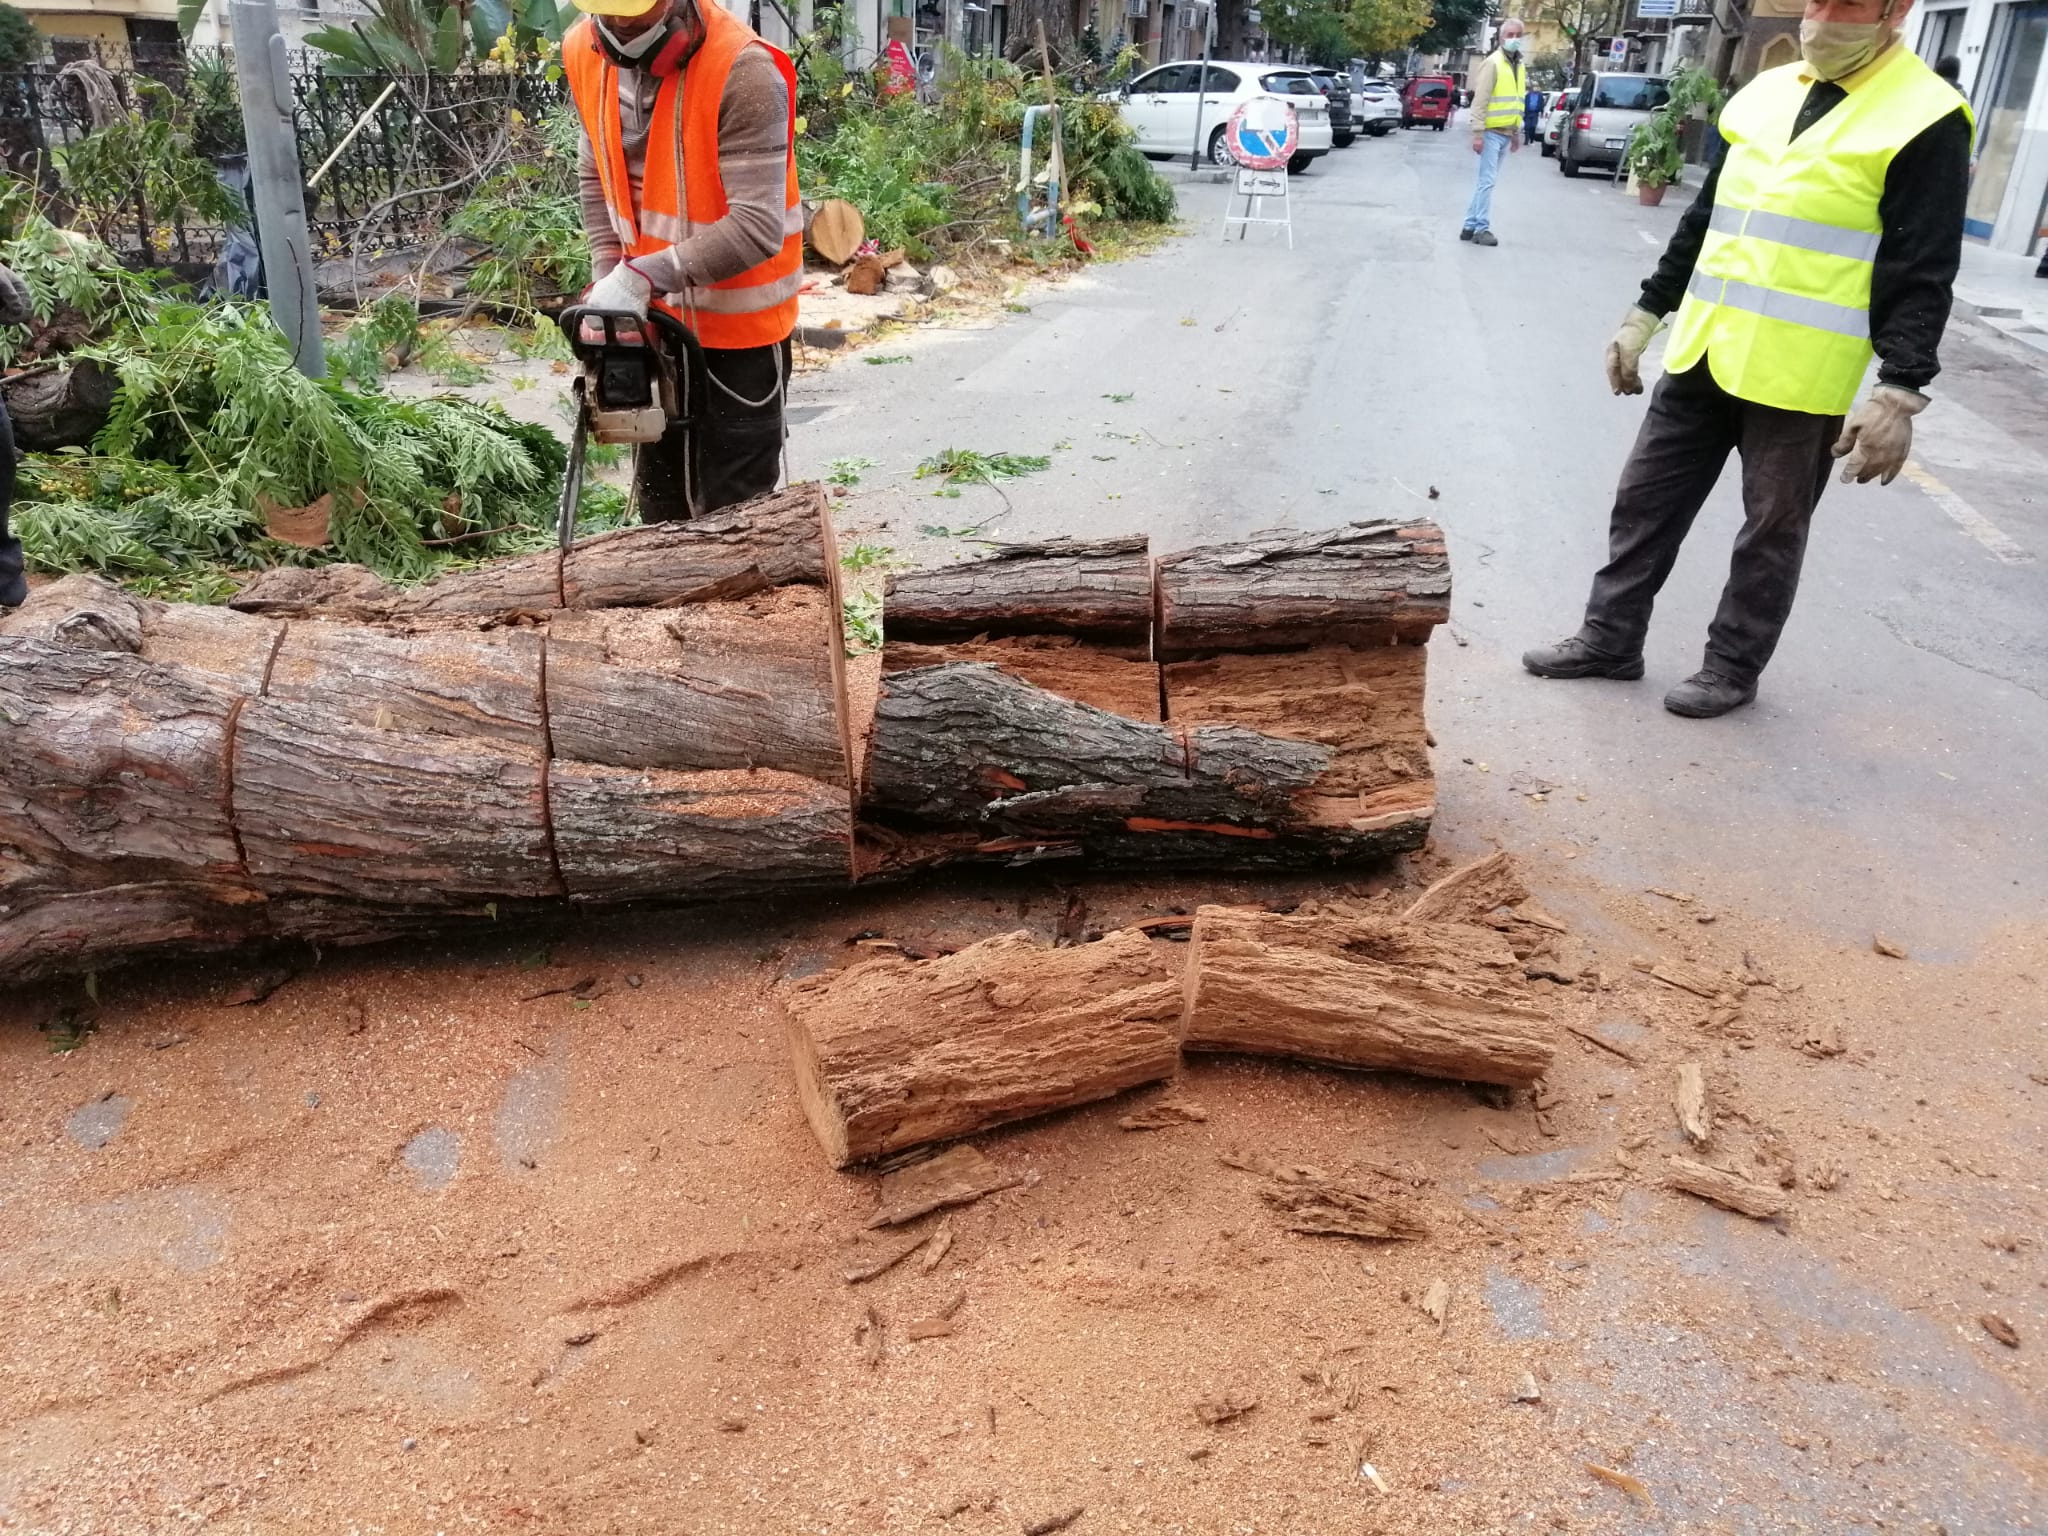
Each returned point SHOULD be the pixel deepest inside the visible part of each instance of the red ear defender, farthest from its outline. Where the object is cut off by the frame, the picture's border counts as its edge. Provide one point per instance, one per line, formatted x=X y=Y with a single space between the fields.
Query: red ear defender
x=686 y=32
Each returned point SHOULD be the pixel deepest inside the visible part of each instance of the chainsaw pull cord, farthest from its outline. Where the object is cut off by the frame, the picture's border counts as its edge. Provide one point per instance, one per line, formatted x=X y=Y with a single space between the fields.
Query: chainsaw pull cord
x=779 y=395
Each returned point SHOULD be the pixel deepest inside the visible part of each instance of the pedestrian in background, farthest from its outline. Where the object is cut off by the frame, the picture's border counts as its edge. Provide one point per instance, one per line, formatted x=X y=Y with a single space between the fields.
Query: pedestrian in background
x=1498 y=89
x=1830 y=228
x=1532 y=109
x=16 y=308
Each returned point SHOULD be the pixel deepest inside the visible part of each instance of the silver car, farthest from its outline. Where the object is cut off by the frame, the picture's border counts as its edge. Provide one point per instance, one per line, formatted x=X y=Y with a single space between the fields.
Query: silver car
x=1600 y=115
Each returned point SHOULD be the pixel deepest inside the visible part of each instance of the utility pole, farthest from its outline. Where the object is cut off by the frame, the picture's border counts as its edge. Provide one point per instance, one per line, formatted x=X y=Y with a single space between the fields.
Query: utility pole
x=264 y=80
x=1208 y=45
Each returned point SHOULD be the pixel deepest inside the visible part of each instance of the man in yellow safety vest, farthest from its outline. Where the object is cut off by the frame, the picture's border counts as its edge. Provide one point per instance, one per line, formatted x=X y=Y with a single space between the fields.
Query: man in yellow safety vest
x=1829 y=230
x=1498 y=88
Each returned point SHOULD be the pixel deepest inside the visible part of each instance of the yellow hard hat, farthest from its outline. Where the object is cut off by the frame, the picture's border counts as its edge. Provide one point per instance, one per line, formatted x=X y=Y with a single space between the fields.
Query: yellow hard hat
x=618 y=7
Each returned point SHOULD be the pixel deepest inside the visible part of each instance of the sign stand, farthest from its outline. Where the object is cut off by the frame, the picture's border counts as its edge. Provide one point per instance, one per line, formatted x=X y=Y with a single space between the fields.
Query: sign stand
x=1262 y=136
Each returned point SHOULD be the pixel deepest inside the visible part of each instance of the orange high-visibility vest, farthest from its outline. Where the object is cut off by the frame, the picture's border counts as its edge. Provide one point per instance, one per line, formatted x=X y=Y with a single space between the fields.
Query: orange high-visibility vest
x=757 y=307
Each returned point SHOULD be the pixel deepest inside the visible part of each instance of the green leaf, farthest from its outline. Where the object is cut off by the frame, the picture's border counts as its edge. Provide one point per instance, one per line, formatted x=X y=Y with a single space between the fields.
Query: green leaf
x=448 y=40
x=189 y=12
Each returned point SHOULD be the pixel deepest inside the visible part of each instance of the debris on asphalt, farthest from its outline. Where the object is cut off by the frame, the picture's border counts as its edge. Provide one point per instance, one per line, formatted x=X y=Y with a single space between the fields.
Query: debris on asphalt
x=869 y=1332
x=959 y=1175
x=1436 y=1303
x=865 y=1268
x=1886 y=947
x=1058 y=1522
x=1593 y=1037
x=1687 y=978
x=2000 y=1329
x=1627 y=1482
x=1689 y=1098
x=1224 y=1407
x=1163 y=1114
x=1318 y=1205
x=938 y=1247
x=1823 y=1038
x=1729 y=1190
x=1526 y=1390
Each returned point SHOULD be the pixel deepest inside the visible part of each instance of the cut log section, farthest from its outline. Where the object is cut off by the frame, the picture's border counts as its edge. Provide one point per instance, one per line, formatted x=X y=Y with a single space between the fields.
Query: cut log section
x=894 y=1053
x=485 y=685
x=1100 y=589
x=1364 y=991
x=715 y=685
x=1361 y=584
x=625 y=834
x=964 y=746
x=1059 y=664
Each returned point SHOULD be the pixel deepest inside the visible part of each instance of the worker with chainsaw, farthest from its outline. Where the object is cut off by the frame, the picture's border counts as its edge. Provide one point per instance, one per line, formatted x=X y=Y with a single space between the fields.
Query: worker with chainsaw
x=688 y=180
x=1828 y=230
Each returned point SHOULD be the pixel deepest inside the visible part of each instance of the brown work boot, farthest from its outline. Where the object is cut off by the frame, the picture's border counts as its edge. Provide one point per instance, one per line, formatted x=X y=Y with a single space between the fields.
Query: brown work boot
x=1575 y=657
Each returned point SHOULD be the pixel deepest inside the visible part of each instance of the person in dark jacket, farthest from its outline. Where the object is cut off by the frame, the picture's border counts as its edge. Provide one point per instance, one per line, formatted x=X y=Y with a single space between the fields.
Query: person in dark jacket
x=1532 y=110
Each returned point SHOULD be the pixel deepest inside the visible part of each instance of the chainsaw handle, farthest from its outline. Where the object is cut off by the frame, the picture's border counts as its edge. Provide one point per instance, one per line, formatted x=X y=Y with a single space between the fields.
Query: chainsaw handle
x=618 y=325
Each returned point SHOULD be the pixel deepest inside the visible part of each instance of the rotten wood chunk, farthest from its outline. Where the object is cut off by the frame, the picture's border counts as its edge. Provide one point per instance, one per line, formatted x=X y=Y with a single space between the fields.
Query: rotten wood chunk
x=1688 y=978
x=1316 y=1204
x=866 y=1264
x=717 y=685
x=1224 y=1407
x=1689 y=1099
x=1059 y=664
x=1436 y=1303
x=1732 y=1190
x=957 y=1176
x=1163 y=1114
x=626 y=834
x=1359 y=584
x=893 y=1053
x=1471 y=891
x=1358 y=990
x=1098 y=588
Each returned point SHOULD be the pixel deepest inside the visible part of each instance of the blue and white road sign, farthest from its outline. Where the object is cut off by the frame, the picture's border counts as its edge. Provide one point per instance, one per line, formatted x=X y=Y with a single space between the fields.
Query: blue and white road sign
x=1263 y=134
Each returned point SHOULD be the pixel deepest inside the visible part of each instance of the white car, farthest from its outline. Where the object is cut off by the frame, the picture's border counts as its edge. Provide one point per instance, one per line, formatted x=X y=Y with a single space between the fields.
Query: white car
x=1556 y=112
x=1376 y=108
x=1161 y=106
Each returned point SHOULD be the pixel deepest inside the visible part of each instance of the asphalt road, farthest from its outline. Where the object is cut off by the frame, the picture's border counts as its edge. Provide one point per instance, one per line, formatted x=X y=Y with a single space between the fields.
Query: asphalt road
x=1888 y=778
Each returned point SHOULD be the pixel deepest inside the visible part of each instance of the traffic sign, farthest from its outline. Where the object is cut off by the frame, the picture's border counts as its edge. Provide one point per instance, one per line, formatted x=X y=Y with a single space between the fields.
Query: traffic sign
x=1618 y=49
x=1263 y=134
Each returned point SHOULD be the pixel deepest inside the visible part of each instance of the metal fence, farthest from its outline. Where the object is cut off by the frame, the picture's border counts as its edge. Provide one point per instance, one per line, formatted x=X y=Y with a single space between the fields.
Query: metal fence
x=409 y=166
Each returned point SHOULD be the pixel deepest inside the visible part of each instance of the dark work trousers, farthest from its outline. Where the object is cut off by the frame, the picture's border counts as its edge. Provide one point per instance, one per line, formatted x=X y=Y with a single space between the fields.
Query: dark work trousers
x=741 y=452
x=12 y=588
x=1529 y=127
x=1685 y=440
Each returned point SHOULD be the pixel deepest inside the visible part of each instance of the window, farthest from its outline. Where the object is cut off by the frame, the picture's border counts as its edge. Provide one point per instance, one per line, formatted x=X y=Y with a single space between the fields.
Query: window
x=1221 y=81
x=1631 y=93
x=1291 y=85
x=1175 y=80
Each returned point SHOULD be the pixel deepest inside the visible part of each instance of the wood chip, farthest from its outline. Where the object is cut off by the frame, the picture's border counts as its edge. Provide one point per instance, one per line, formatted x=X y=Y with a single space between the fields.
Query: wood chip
x=1371 y=1474
x=1687 y=978
x=1526 y=1390
x=1436 y=1302
x=1689 y=1099
x=2000 y=1330
x=1529 y=912
x=1162 y=1114
x=936 y=1249
x=1823 y=1038
x=1058 y=1522
x=871 y=1264
x=1318 y=1205
x=1627 y=1482
x=1224 y=1407
x=1723 y=1188
x=1753 y=972
x=951 y=1304
x=1471 y=892
x=1178 y=923
x=1626 y=1053
x=1828 y=1175
x=928 y=1328
x=1885 y=946
x=1683 y=898
x=732 y=1424
x=870 y=1331
x=957 y=1176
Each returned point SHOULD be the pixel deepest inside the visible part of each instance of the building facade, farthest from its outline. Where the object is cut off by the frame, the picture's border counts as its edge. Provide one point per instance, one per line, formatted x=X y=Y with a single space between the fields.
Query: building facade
x=2000 y=45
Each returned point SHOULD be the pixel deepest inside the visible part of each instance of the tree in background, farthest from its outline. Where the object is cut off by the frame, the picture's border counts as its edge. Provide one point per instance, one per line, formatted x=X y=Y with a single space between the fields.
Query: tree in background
x=1451 y=24
x=1333 y=32
x=20 y=44
x=1582 y=21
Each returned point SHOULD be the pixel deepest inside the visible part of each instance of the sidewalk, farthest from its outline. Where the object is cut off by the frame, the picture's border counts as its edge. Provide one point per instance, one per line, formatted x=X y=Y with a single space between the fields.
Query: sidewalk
x=2003 y=292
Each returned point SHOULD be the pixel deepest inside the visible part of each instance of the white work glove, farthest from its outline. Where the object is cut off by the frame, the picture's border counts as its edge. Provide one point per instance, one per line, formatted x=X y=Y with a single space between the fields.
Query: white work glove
x=1625 y=352
x=1879 y=434
x=16 y=307
x=621 y=291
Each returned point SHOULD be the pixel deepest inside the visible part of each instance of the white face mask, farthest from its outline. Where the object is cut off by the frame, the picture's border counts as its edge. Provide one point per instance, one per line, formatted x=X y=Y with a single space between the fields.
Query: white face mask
x=1512 y=46
x=635 y=47
x=1837 y=48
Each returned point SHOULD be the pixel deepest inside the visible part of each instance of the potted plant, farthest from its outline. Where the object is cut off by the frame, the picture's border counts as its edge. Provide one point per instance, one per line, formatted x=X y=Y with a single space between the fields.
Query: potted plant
x=1654 y=156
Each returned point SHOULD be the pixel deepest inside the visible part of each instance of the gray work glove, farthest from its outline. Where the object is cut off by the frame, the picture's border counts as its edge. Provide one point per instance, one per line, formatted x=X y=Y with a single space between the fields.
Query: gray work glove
x=1879 y=434
x=1625 y=352
x=16 y=307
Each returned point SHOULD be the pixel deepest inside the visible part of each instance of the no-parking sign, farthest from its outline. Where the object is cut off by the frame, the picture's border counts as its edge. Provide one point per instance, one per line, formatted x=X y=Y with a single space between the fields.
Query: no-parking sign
x=1263 y=134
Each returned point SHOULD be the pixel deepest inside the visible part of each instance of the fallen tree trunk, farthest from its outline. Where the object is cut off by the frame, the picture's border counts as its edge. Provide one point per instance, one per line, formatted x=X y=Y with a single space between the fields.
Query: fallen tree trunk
x=59 y=406
x=894 y=1053
x=1059 y=664
x=1100 y=588
x=1359 y=991
x=964 y=746
x=1361 y=584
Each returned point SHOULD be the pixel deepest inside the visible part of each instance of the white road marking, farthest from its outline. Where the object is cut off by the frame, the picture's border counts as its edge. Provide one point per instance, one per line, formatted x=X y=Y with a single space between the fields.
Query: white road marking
x=1968 y=518
x=1648 y=238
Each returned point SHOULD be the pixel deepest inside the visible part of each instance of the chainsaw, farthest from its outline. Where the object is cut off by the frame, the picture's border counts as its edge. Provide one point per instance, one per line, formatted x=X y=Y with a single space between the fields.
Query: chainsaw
x=636 y=378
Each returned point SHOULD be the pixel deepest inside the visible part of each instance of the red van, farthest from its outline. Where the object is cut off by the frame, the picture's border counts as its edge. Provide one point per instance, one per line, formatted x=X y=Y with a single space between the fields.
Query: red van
x=1428 y=99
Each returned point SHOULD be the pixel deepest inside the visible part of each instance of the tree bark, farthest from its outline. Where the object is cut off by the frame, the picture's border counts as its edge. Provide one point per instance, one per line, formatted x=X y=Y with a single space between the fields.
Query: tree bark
x=715 y=685
x=1471 y=892
x=893 y=1053
x=59 y=407
x=1364 y=991
x=1763 y=1202
x=625 y=834
x=81 y=612
x=484 y=685
x=1100 y=589
x=1361 y=584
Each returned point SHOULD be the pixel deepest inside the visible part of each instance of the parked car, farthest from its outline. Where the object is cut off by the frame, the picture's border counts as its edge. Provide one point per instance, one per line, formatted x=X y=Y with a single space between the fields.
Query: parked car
x=1601 y=114
x=1376 y=108
x=1428 y=99
x=1161 y=106
x=1336 y=91
x=1556 y=112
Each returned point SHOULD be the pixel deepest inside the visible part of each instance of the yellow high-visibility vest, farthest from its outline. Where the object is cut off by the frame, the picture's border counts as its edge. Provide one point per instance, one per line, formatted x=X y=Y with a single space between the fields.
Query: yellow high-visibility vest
x=1510 y=90
x=1779 y=302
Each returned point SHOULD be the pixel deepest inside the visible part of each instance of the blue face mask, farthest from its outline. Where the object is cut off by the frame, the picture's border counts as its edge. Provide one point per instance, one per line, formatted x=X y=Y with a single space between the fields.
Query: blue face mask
x=1512 y=46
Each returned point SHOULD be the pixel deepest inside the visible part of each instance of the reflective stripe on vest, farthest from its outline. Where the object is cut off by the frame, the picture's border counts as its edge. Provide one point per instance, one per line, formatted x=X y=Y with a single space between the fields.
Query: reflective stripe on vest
x=1504 y=108
x=681 y=188
x=1779 y=300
